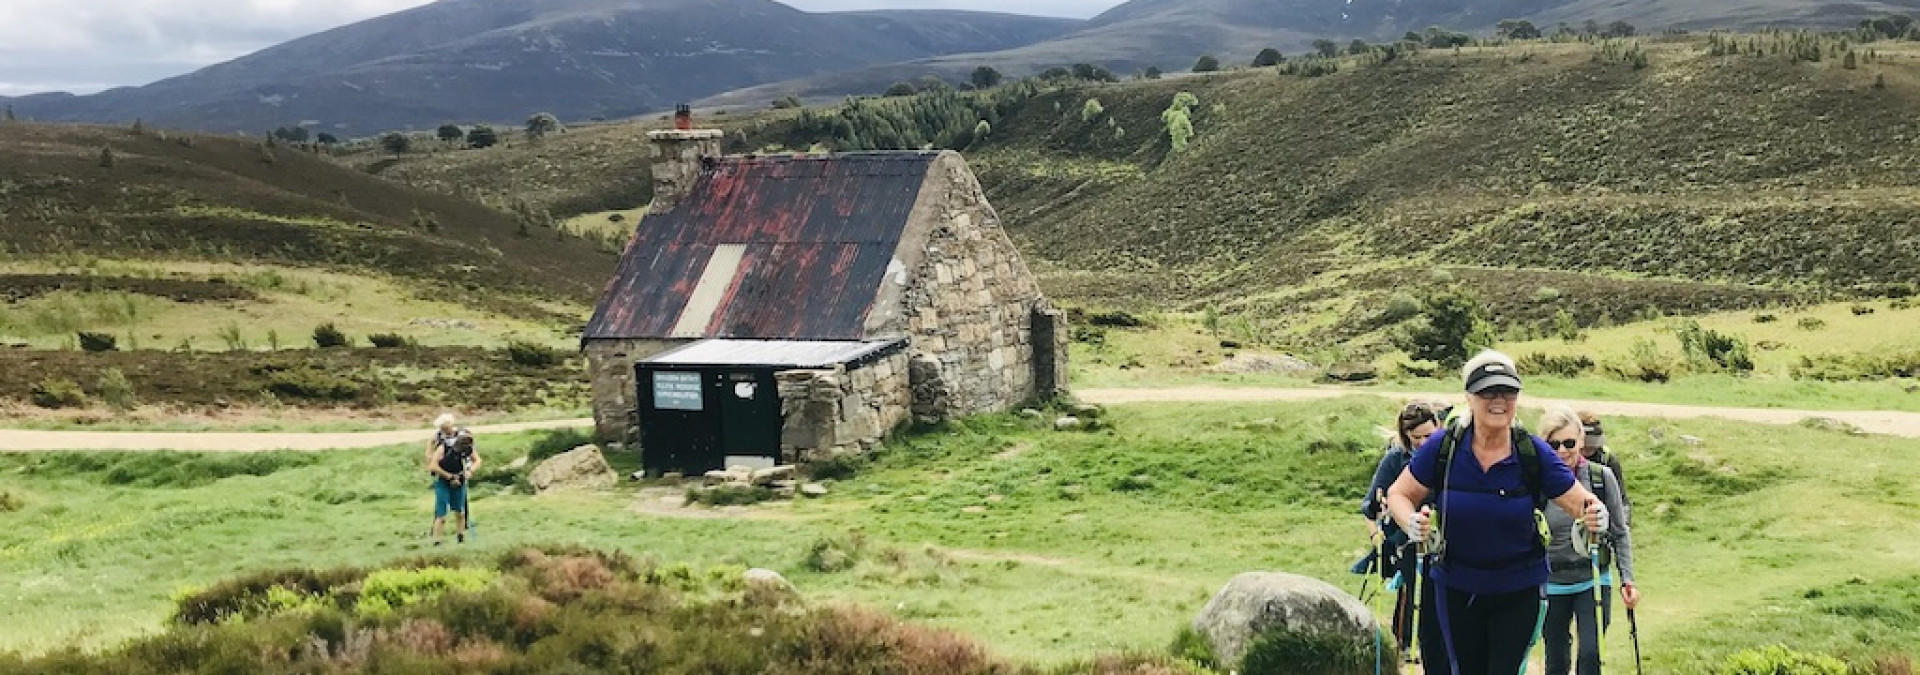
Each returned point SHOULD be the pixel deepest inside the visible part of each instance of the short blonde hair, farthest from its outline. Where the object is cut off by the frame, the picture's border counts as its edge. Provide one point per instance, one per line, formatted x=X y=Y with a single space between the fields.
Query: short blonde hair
x=1557 y=418
x=444 y=421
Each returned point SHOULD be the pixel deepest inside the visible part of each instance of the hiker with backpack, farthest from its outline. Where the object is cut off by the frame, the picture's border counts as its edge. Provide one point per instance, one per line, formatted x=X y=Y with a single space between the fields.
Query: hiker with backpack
x=1416 y=423
x=1576 y=559
x=1471 y=498
x=1596 y=451
x=452 y=466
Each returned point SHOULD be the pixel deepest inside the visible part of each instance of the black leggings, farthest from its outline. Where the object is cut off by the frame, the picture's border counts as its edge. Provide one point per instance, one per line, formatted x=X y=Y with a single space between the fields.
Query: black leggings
x=1564 y=612
x=1489 y=634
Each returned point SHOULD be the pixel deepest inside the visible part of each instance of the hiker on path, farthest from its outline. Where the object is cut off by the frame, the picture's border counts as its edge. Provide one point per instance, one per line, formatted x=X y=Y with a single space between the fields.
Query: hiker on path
x=1473 y=496
x=452 y=467
x=446 y=430
x=1416 y=422
x=1597 y=452
x=1570 y=586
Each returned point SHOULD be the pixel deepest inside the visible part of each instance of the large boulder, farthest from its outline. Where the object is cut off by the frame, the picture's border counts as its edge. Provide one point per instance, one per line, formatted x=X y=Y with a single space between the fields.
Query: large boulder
x=1256 y=602
x=581 y=468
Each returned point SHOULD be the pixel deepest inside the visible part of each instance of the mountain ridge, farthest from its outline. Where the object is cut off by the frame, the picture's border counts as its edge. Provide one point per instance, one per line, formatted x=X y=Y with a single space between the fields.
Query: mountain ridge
x=498 y=61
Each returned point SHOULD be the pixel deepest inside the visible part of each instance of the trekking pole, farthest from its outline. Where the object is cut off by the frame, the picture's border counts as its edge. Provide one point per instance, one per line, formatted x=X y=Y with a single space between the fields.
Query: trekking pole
x=1593 y=553
x=1633 y=629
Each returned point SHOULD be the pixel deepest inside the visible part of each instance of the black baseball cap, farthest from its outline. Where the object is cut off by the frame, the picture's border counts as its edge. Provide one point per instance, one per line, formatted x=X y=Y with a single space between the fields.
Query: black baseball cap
x=1491 y=375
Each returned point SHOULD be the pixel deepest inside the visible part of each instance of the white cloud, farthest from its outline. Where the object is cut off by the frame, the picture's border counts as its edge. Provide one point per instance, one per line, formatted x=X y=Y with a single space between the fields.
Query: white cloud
x=88 y=45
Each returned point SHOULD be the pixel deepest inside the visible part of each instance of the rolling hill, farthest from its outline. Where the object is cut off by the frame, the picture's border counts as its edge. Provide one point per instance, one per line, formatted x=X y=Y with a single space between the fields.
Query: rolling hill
x=503 y=60
x=1171 y=34
x=136 y=194
x=1541 y=175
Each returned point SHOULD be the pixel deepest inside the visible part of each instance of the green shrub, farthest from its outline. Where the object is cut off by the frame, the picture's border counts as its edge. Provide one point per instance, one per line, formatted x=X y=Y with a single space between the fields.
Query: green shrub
x=531 y=355
x=1848 y=367
x=98 y=342
x=1765 y=318
x=1400 y=307
x=1566 y=327
x=1562 y=366
x=325 y=336
x=390 y=340
x=57 y=392
x=251 y=596
x=1811 y=323
x=836 y=554
x=387 y=590
x=1645 y=363
x=1453 y=327
x=1281 y=652
x=1778 y=660
x=1861 y=310
x=1709 y=351
x=1191 y=646
x=10 y=502
x=117 y=391
x=311 y=383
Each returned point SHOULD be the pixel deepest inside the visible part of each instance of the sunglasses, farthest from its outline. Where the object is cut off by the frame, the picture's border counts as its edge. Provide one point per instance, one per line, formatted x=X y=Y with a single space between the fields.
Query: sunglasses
x=1567 y=444
x=1497 y=393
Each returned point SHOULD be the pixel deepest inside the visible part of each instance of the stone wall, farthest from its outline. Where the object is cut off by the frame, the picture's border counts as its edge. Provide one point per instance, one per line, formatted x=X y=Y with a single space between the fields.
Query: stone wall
x=969 y=305
x=826 y=413
x=616 y=412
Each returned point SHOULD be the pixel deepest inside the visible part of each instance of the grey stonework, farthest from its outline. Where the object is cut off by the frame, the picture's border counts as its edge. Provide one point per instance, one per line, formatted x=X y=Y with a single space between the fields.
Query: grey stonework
x=832 y=412
x=610 y=364
x=676 y=163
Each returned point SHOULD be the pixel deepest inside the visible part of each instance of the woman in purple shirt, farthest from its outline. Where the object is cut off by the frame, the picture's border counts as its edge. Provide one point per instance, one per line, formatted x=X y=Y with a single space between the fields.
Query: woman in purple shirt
x=1481 y=607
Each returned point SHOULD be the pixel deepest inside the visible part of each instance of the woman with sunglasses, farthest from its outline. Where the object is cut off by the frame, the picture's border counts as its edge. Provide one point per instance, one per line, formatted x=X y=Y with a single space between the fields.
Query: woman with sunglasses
x=1416 y=423
x=1482 y=599
x=1570 y=591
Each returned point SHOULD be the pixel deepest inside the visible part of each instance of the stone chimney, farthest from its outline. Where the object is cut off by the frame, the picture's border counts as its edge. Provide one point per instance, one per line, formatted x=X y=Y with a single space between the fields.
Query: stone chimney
x=676 y=158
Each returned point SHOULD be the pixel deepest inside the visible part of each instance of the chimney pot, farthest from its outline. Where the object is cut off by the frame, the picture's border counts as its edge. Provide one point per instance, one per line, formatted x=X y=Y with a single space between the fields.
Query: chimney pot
x=683 y=117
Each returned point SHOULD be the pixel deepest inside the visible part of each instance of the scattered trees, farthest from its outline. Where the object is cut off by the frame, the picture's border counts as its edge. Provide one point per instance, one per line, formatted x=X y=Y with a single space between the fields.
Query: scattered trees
x=325 y=138
x=1206 y=64
x=396 y=143
x=1152 y=73
x=1358 y=47
x=1892 y=27
x=1268 y=57
x=1518 y=29
x=1090 y=72
x=292 y=134
x=901 y=89
x=787 y=102
x=985 y=77
x=541 y=124
x=450 y=133
x=1326 y=48
x=482 y=136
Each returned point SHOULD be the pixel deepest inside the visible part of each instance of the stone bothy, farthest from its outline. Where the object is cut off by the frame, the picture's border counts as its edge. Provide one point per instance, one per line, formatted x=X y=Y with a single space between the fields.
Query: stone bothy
x=789 y=308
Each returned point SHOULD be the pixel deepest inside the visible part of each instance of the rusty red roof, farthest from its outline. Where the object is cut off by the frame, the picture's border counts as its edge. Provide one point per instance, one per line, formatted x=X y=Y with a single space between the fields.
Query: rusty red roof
x=789 y=247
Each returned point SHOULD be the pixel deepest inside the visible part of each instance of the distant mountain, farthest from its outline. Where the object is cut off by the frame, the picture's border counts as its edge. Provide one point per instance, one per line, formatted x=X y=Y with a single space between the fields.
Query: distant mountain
x=502 y=60
x=1172 y=34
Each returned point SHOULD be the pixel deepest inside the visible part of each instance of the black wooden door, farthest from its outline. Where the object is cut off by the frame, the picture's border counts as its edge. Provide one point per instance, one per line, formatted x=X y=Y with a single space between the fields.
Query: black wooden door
x=749 y=414
x=679 y=425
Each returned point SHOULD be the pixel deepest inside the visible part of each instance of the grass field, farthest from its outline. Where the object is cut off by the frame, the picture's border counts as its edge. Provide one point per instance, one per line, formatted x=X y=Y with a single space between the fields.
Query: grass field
x=1780 y=337
x=286 y=305
x=1046 y=546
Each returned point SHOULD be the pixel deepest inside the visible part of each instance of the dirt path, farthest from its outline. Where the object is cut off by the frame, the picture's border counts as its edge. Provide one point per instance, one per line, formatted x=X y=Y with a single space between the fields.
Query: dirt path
x=11 y=440
x=1872 y=421
x=16 y=440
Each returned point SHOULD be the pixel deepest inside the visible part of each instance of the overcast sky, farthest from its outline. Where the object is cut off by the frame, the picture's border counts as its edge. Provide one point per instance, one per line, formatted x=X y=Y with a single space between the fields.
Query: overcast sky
x=84 y=46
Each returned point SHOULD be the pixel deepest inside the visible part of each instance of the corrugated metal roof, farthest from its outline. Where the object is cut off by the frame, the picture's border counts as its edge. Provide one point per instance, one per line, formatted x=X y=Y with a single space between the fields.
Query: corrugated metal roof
x=772 y=353
x=814 y=233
